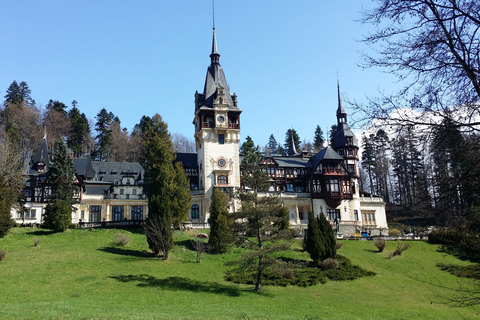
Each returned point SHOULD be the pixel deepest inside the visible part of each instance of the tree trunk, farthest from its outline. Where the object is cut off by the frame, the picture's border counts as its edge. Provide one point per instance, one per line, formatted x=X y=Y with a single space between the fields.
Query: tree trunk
x=259 y=274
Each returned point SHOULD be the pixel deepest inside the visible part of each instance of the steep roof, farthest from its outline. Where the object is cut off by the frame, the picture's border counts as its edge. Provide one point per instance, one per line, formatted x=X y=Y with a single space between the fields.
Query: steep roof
x=325 y=154
x=42 y=156
x=215 y=78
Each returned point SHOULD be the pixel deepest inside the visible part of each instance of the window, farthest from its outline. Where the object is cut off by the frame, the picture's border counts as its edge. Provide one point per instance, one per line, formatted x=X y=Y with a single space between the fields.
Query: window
x=137 y=212
x=300 y=215
x=332 y=185
x=40 y=167
x=117 y=212
x=350 y=152
x=333 y=214
x=299 y=188
x=364 y=217
x=95 y=213
x=27 y=193
x=346 y=186
x=82 y=215
x=195 y=212
x=222 y=179
x=290 y=187
x=121 y=191
x=20 y=214
x=193 y=186
x=351 y=168
x=221 y=139
x=355 y=213
x=316 y=186
x=29 y=214
x=134 y=192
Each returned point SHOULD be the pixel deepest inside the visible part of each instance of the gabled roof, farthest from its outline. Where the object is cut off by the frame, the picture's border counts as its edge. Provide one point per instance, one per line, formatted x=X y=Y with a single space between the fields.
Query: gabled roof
x=325 y=154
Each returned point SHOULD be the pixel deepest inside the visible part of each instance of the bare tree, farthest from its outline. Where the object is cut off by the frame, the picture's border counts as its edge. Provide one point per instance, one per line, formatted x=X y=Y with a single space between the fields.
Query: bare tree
x=433 y=47
x=182 y=144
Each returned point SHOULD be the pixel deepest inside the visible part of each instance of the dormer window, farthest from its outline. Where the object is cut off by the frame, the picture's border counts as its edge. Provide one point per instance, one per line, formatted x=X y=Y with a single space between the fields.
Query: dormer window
x=40 y=167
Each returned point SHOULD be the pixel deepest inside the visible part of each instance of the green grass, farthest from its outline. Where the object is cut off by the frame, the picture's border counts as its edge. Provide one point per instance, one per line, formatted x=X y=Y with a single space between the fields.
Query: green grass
x=80 y=274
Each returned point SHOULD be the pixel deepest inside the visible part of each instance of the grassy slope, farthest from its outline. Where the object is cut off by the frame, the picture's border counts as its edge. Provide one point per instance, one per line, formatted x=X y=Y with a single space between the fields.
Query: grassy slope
x=79 y=274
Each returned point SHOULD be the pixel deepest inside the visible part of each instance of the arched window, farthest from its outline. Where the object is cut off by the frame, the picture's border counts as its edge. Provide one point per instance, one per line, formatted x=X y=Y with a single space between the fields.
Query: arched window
x=195 y=212
x=222 y=179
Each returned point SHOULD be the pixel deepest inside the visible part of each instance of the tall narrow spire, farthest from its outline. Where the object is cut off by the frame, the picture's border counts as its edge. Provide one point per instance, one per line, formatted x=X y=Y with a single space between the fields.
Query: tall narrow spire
x=214 y=56
x=341 y=109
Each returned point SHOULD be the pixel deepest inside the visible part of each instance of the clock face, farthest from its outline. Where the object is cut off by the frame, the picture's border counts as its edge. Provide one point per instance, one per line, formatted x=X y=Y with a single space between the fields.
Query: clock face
x=222 y=162
x=220 y=119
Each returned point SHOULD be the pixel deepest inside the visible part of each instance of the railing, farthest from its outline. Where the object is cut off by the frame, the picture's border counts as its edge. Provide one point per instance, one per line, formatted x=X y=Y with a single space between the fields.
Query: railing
x=332 y=170
x=233 y=126
x=111 y=224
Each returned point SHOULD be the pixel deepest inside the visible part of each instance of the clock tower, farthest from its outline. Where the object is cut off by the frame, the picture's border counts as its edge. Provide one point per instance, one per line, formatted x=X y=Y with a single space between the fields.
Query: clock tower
x=217 y=132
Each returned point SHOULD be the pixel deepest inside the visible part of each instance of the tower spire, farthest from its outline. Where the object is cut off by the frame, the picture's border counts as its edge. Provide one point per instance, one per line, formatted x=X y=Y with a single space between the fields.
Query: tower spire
x=341 y=112
x=214 y=56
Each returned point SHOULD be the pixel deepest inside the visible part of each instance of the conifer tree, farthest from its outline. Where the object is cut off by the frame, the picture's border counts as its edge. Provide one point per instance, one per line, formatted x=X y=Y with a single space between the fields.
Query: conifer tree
x=328 y=237
x=258 y=218
x=289 y=135
x=62 y=178
x=221 y=222
x=272 y=145
x=318 y=139
x=181 y=196
x=314 y=242
x=160 y=180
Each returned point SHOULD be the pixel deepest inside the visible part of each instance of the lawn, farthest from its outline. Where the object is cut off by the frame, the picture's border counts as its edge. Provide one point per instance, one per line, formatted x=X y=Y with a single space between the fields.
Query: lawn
x=79 y=274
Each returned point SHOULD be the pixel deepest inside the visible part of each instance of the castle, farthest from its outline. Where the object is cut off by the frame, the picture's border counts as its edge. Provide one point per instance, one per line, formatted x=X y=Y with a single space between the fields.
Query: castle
x=325 y=183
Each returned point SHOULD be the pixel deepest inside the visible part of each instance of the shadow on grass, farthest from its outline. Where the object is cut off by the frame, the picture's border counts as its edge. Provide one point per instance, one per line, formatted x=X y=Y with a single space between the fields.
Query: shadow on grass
x=188 y=244
x=127 y=252
x=41 y=232
x=179 y=283
x=371 y=250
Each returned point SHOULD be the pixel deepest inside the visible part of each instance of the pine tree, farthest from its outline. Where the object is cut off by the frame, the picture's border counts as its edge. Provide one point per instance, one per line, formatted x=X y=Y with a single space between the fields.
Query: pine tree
x=61 y=202
x=80 y=131
x=221 y=222
x=19 y=93
x=318 y=139
x=258 y=218
x=62 y=176
x=272 y=145
x=160 y=181
x=289 y=135
x=102 y=126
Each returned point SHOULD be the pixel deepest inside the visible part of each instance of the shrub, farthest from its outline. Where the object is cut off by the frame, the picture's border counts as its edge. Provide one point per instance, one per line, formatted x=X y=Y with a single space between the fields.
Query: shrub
x=36 y=241
x=3 y=254
x=380 y=243
x=121 y=240
x=394 y=232
x=329 y=264
x=339 y=245
x=400 y=248
x=58 y=216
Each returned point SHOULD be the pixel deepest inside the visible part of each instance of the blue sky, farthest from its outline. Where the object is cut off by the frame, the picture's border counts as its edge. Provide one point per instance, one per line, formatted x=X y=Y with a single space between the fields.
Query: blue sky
x=138 y=58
